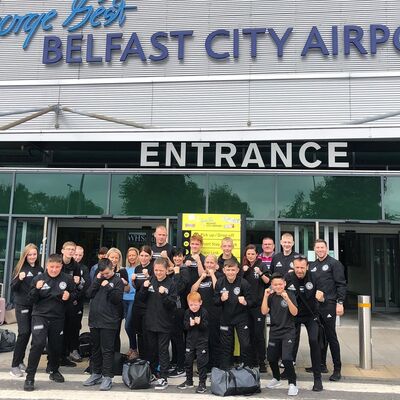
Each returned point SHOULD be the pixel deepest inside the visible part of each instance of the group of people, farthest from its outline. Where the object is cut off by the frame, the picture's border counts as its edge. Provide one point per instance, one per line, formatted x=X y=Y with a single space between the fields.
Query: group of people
x=191 y=303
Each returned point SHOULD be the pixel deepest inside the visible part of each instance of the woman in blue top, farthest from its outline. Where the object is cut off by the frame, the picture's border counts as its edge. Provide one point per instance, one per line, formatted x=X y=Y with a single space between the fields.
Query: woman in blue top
x=132 y=260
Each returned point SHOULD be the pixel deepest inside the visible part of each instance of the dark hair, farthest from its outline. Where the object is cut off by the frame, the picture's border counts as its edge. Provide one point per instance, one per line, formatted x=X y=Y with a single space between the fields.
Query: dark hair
x=230 y=263
x=267 y=238
x=245 y=261
x=320 y=241
x=277 y=275
x=146 y=249
x=180 y=251
x=103 y=250
x=55 y=258
x=105 y=263
x=161 y=261
x=300 y=257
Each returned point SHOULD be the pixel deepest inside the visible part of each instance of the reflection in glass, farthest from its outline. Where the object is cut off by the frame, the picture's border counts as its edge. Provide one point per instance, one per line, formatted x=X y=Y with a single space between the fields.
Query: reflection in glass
x=242 y=194
x=5 y=193
x=162 y=195
x=329 y=197
x=391 y=194
x=71 y=194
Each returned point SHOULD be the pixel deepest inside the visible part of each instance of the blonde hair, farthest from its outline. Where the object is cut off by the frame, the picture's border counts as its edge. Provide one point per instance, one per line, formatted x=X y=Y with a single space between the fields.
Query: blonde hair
x=198 y=237
x=118 y=251
x=287 y=235
x=22 y=259
x=227 y=239
x=69 y=243
x=213 y=256
x=137 y=259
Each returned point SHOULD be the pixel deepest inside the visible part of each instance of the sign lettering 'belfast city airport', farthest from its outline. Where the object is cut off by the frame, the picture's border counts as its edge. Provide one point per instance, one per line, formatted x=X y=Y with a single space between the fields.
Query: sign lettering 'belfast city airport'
x=120 y=46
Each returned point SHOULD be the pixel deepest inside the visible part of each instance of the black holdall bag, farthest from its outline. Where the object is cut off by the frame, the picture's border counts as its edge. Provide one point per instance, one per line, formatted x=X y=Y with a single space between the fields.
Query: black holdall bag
x=7 y=341
x=85 y=344
x=236 y=381
x=136 y=374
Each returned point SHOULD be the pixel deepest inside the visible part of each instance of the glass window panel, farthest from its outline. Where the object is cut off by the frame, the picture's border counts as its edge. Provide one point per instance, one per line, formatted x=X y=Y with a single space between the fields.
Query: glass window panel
x=70 y=194
x=5 y=193
x=329 y=197
x=391 y=193
x=242 y=194
x=159 y=195
x=3 y=238
x=256 y=231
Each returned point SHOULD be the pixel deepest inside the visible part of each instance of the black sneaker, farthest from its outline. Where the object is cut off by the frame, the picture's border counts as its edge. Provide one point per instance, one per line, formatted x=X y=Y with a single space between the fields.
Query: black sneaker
x=201 y=388
x=317 y=385
x=161 y=384
x=29 y=385
x=336 y=376
x=263 y=368
x=171 y=368
x=65 y=362
x=177 y=373
x=56 y=377
x=48 y=370
x=185 y=385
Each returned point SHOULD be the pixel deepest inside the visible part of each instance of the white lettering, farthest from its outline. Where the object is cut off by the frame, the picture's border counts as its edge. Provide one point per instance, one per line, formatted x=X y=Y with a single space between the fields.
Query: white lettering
x=219 y=155
x=276 y=150
x=200 y=152
x=145 y=154
x=171 y=151
x=333 y=154
x=253 y=148
x=302 y=155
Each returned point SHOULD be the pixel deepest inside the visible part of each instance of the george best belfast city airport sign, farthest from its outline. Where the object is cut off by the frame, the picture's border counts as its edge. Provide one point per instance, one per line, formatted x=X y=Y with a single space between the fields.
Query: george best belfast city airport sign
x=77 y=47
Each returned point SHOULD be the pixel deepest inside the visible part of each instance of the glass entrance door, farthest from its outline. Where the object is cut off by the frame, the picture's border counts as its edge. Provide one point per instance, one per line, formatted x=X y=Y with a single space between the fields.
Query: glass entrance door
x=386 y=272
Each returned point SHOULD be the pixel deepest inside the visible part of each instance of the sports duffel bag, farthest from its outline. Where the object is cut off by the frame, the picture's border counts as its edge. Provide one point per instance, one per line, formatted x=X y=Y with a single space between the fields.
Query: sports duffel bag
x=136 y=374
x=236 y=381
x=7 y=341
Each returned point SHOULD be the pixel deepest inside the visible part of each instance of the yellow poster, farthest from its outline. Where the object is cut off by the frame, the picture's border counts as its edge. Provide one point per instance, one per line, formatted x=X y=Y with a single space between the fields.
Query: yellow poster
x=213 y=228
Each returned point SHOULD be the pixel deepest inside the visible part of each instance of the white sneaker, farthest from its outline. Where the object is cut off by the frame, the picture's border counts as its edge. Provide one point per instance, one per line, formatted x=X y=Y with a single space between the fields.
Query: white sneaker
x=273 y=383
x=16 y=371
x=293 y=390
x=161 y=384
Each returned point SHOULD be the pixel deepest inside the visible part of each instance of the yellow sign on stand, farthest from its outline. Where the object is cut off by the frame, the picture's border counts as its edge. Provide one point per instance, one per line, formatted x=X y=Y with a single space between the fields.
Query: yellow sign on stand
x=213 y=228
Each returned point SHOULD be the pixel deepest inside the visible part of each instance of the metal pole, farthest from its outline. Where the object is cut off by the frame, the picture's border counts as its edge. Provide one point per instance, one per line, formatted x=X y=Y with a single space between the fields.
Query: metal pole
x=364 y=332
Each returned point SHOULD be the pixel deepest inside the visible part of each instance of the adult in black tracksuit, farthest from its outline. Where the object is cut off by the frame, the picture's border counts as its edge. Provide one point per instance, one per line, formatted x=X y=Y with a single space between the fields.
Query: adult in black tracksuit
x=180 y=276
x=73 y=312
x=105 y=313
x=233 y=295
x=302 y=283
x=142 y=272
x=26 y=269
x=50 y=293
x=159 y=293
x=282 y=263
x=257 y=274
x=205 y=285
x=196 y=325
x=330 y=277
x=161 y=247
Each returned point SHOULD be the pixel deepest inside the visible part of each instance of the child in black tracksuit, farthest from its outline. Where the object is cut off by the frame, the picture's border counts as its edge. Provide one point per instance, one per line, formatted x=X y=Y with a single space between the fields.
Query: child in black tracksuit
x=159 y=294
x=233 y=295
x=196 y=325
x=25 y=271
x=50 y=293
x=105 y=312
x=282 y=307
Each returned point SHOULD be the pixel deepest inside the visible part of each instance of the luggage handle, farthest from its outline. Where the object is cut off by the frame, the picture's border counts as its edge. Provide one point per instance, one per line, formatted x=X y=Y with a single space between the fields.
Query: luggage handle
x=232 y=377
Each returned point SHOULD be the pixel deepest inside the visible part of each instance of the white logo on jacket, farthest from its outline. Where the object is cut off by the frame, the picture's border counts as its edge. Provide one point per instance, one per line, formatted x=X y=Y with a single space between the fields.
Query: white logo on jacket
x=62 y=285
x=309 y=286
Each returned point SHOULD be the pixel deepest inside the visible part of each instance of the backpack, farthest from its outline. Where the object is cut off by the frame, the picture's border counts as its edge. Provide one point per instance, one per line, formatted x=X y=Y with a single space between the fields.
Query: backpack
x=7 y=341
x=85 y=344
x=136 y=374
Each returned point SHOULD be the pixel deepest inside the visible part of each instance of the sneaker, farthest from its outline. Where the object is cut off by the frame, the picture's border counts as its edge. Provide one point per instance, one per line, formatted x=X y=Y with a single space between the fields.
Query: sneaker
x=201 y=388
x=336 y=376
x=65 y=362
x=317 y=386
x=16 y=371
x=293 y=390
x=161 y=384
x=48 y=370
x=93 y=379
x=177 y=373
x=56 y=377
x=22 y=367
x=185 y=385
x=29 y=385
x=273 y=383
x=75 y=356
x=171 y=368
x=153 y=378
x=106 y=384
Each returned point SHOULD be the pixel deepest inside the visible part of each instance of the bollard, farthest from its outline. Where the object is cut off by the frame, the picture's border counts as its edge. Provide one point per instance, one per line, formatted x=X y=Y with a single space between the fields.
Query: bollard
x=364 y=331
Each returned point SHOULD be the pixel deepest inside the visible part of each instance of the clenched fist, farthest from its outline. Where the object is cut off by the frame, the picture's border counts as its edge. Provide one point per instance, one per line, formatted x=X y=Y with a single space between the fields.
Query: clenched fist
x=21 y=276
x=65 y=295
